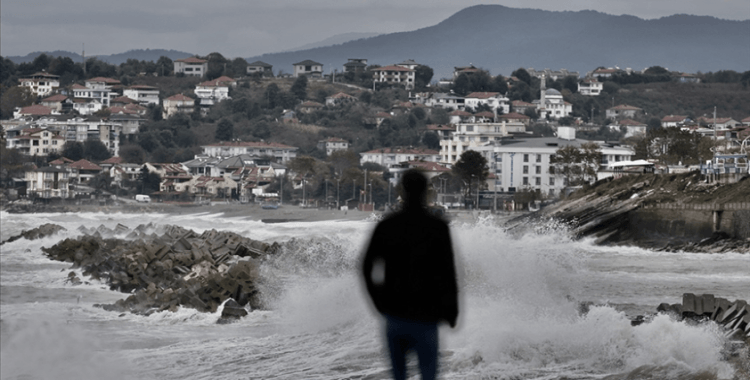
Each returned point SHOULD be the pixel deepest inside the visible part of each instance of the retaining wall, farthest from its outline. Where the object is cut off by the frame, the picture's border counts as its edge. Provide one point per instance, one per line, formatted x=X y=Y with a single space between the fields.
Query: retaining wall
x=691 y=222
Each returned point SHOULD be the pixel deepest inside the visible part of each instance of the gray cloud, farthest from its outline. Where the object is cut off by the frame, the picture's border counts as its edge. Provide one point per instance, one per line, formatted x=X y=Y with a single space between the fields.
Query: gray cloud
x=246 y=28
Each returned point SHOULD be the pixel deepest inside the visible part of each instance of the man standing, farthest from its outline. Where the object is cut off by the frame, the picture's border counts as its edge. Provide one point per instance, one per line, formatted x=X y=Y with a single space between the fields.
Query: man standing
x=411 y=278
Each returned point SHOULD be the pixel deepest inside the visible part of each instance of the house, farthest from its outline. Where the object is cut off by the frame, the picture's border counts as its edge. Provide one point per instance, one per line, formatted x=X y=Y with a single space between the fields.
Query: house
x=391 y=156
x=124 y=173
x=525 y=162
x=220 y=187
x=514 y=117
x=57 y=103
x=192 y=66
x=722 y=123
x=605 y=72
x=355 y=65
x=464 y=70
x=633 y=128
x=79 y=128
x=519 y=106
x=590 y=87
x=87 y=106
x=332 y=144
x=262 y=68
x=688 y=78
x=442 y=131
x=204 y=165
x=308 y=68
x=394 y=75
x=310 y=106
x=470 y=135
x=445 y=101
x=282 y=153
x=494 y=100
x=143 y=94
x=32 y=110
x=428 y=168
x=409 y=64
x=47 y=182
x=98 y=89
x=83 y=171
x=339 y=99
x=623 y=111
x=36 y=142
x=554 y=74
x=214 y=91
x=41 y=83
x=130 y=122
x=178 y=104
x=674 y=121
x=121 y=101
x=460 y=116
x=382 y=116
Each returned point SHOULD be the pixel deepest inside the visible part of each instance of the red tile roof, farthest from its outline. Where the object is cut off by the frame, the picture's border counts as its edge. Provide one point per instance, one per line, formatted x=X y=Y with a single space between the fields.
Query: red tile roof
x=222 y=81
x=257 y=144
x=191 y=60
x=392 y=68
x=402 y=150
x=55 y=98
x=459 y=113
x=123 y=99
x=514 y=115
x=112 y=160
x=36 y=109
x=84 y=164
x=521 y=103
x=61 y=161
x=179 y=97
x=623 y=107
x=482 y=95
x=630 y=122
x=440 y=127
x=104 y=80
x=141 y=87
x=673 y=118
x=383 y=114
x=485 y=114
x=746 y=120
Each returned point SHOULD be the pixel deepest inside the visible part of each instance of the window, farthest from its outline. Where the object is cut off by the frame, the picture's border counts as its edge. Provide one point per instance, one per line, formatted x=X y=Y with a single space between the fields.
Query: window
x=525 y=158
x=538 y=170
x=538 y=158
x=525 y=180
x=469 y=128
x=526 y=169
x=552 y=181
x=551 y=170
x=538 y=181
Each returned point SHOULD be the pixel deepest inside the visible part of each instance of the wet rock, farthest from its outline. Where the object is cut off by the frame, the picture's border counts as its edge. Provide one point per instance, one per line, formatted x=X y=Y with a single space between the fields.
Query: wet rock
x=232 y=311
x=44 y=230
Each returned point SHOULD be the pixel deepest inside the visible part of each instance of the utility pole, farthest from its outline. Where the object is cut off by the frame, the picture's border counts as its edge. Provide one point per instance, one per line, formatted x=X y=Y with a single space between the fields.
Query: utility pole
x=338 y=197
x=365 y=186
x=281 y=191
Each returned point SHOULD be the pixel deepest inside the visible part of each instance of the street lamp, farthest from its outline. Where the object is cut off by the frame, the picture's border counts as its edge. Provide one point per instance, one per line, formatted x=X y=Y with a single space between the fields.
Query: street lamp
x=338 y=198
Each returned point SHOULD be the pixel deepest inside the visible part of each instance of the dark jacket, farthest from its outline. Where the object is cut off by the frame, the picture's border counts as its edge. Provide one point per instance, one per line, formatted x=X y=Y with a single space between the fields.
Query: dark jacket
x=420 y=275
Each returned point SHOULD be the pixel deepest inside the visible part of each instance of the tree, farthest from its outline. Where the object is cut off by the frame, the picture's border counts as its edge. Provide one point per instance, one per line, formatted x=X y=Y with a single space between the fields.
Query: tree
x=471 y=166
x=576 y=165
x=13 y=97
x=95 y=150
x=224 y=130
x=341 y=160
x=164 y=66
x=422 y=76
x=522 y=75
x=133 y=154
x=299 y=88
x=149 y=182
x=571 y=83
x=73 y=150
x=432 y=140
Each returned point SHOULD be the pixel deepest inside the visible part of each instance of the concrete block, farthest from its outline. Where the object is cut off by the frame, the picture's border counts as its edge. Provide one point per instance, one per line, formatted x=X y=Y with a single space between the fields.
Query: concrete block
x=689 y=303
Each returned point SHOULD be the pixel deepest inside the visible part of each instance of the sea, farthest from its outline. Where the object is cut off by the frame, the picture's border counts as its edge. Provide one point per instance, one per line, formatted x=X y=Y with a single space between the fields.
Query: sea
x=520 y=309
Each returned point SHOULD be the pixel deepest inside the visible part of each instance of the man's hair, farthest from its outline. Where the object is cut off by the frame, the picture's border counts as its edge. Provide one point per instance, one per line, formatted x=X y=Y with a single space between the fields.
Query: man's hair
x=414 y=184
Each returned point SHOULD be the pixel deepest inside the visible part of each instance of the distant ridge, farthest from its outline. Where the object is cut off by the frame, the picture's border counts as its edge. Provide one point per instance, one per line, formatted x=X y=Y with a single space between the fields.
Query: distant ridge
x=502 y=39
x=115 y=59
x=335 y=40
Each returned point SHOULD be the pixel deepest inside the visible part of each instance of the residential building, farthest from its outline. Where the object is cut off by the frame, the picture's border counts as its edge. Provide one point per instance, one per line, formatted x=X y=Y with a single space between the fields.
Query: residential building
x=82 y=171
x=339 y=99
x=192 y=66
x=99 y=89
x=143 y=94
x=32 y=110
x=394 y=75
x=395 y=155
x=688 y=78
x=674 y=121
x=57 y=103
x=308 y=68
x=524 y=162
x=444 y=132
x=445 y=101
x=409 y=64
x=47 y=182
x=130 y=122
x=355 y=65
x=310 y=106
x=76 y=128
x=633 y=128
x=41 y=83
x=260 y=67
x=722 y=123
x=514 y=117
x=469 y=136
x=124 y=173
x=746 y=121
x=121 y=101
x=605 y=72
x=429 y=169
x=590 y=87
x=464 y=70
x=519 y=106
x=86 y=106
x=332 y=144
x=623 y=111
x=214 y=91
x=553 y=74
x=36 y=141
x=282 y=153
x=494 y=100
x=460 y=116
x=178 y=104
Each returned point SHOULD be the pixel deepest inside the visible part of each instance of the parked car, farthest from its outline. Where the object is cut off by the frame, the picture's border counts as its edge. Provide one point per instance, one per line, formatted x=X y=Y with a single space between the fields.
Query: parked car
x=141 y=198
x=269 y=205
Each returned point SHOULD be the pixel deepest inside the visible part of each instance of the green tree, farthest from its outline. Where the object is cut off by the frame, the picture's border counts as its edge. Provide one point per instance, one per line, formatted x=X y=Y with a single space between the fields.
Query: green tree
x=571 y=83
x=164 y=66
x=576 y=165
x=95 y=150
x=149 y=182
x=13 y=97
x=471 y=167
x=224 y=130
x=522 y=75
x=422 y=76
x=431 y=140
x=341 y=160
x=133 y=154
x=299 y=88
x=73 y=150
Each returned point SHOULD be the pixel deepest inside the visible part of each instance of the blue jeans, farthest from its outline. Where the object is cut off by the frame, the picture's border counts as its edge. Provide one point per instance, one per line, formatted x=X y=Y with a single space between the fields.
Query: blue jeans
x=405 y=335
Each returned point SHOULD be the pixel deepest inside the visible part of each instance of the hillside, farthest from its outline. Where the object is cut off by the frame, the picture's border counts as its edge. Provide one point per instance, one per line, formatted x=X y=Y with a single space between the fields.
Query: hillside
x=115 y=59
x=503 y=39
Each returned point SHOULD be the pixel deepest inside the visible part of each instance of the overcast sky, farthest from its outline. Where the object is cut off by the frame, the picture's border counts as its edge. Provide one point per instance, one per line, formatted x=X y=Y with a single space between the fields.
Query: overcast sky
x=244 y=28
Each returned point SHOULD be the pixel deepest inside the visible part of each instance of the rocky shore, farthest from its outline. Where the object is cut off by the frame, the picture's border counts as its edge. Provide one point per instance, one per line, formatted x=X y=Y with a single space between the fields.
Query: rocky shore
x=650 y=211
x=166 y=267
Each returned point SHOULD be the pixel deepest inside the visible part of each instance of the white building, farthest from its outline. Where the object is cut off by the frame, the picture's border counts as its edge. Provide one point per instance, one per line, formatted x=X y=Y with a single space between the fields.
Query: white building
x=143 y=94
x=392 y=156
x=445 y=101
x=553 y=105
x=394 y=75
x=590 y=87
x=494 y=100
x=470 y=136
x=98 y=89
x=214 y=91
x=192 y=67
x=47 y=182
x=309 y=68
x=622 y=111
x=524 y=163
x=80 y=129
x=282 y=153
x=178 y=104
x=260 y=67
x=36 y=142
x=41 y=83
x=333 y=144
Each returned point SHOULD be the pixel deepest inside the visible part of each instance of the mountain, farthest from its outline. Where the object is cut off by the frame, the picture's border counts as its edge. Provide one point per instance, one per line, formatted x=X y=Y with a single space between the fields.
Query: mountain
x=115 y=59
x=335 y=40
x=502 y=39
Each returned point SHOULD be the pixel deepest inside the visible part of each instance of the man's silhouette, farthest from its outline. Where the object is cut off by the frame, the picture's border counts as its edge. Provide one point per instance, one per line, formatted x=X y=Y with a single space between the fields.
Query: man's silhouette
x=411 y=277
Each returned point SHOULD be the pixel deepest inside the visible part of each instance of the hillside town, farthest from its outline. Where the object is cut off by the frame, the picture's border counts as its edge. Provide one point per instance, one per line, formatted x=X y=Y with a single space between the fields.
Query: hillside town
x=237 y=132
